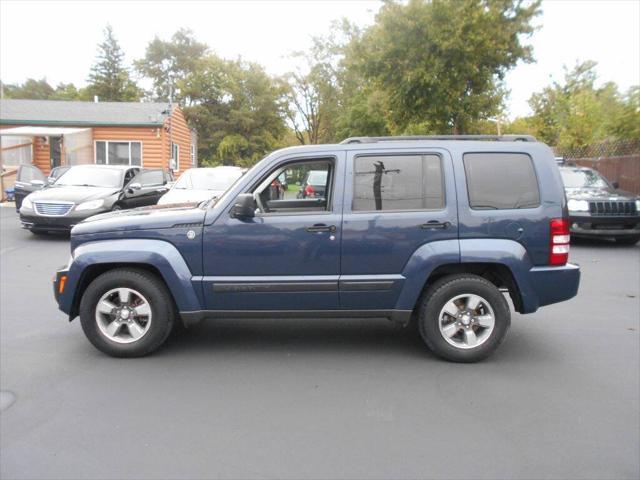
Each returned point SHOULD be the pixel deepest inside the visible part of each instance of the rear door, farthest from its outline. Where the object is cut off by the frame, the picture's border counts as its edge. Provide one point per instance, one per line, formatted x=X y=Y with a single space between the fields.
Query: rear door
x=395 y=202
x=23 y=186
x=145 y=188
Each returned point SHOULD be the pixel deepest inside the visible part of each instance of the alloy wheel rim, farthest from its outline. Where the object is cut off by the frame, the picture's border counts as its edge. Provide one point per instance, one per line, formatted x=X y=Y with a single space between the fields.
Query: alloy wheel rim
x=123 y=315
x=466 y=321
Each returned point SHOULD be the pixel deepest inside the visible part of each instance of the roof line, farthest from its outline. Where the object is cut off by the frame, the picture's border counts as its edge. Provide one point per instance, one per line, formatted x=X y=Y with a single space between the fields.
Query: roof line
x=77 y=123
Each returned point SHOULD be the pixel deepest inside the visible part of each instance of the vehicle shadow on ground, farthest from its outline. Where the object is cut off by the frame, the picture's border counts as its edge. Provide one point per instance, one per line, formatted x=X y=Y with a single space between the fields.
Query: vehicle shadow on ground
x=355 y=337
x=299 y=336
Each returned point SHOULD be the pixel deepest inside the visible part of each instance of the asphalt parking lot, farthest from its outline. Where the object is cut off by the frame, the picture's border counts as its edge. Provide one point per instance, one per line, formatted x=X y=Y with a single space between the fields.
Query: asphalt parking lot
x=320 y=398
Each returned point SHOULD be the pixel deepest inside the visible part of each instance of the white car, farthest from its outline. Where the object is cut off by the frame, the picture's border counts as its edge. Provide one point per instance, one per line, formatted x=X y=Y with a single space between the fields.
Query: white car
x=199 y=184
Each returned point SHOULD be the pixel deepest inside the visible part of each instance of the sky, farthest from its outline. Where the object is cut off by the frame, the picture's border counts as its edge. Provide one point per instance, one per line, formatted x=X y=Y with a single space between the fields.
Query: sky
x=58 y=39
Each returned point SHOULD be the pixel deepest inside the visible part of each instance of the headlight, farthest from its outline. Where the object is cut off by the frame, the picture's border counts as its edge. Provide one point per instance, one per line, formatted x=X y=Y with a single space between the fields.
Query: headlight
x=578 y=205
x=637 y=205
x=26 y=203
x=90 y=205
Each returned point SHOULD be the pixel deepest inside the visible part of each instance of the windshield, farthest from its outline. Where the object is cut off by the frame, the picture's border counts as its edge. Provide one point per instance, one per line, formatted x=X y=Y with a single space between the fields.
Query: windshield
x=317 y=177
x=207 y=179
x=578 y=178
x=91 y=177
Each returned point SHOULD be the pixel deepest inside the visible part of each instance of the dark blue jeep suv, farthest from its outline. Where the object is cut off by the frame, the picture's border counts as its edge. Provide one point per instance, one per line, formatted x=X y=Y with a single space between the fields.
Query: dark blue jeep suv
x=430 y=229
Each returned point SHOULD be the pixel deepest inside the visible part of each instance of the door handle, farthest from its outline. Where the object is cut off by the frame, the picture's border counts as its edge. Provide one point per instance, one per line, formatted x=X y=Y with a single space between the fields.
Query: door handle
x=435 y=224
x=321 y=227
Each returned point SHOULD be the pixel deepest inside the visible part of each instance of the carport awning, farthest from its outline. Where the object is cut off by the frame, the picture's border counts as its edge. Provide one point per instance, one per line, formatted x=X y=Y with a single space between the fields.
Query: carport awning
x=40 y=131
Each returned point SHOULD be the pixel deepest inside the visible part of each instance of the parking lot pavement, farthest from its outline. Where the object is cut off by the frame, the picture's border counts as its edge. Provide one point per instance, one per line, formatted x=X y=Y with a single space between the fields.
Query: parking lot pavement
x=320 y=398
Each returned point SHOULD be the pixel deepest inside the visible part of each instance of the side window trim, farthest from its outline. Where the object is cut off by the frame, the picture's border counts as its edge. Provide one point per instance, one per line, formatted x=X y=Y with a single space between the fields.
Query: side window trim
x=399 y=154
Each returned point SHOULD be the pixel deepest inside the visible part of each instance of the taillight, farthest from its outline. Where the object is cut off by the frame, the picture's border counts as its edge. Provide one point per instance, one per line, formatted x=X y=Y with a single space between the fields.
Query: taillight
x=559 y=247
x=309 y=190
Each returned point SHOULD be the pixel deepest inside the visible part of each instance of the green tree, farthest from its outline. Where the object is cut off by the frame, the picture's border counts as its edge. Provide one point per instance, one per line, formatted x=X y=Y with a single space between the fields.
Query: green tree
x=109 y=78
x=439 y=65
x=577 y=112
x=166 y=62
x=31 y=89
x=236 y=108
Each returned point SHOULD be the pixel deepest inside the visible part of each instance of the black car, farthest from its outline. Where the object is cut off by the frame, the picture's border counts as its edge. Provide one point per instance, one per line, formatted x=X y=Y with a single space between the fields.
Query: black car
x=30 y=178
x=598 y=208
x=87 y=190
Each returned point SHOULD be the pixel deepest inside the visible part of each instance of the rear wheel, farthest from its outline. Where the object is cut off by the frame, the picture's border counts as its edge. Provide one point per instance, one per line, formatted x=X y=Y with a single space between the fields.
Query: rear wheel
x=127 y=313
x=463 y=318
x=627 y=240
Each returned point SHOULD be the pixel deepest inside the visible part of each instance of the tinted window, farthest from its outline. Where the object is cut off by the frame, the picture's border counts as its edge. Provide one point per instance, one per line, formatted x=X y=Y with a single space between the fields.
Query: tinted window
x=406 y=182
x=151 y=178
x=498 y=181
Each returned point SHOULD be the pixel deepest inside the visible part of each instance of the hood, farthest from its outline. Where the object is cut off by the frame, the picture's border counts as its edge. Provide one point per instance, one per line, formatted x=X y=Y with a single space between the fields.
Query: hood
x=181 y=195
x=600 y=194
x=72 y=194
x=145 y=218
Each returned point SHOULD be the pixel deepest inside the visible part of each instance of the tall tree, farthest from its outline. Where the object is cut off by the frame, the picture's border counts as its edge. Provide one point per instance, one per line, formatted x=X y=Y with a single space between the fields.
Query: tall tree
x=165 y=62
x=109 y=78
x=440 y=64
x=577 y=112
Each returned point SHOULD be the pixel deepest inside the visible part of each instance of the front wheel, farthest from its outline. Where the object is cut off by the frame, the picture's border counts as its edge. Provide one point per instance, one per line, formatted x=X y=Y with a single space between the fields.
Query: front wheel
x=463 y=318
x=127 y=312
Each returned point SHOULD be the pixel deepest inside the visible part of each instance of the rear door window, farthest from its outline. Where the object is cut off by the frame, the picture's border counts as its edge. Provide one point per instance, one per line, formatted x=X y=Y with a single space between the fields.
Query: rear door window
x=398 y=182
x=501 y=181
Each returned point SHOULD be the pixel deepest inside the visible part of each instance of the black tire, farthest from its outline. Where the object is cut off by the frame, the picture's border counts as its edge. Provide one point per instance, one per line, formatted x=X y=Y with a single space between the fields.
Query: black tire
x=152 y=288
x=116 y=207
x=627 y=240
x=440 y=293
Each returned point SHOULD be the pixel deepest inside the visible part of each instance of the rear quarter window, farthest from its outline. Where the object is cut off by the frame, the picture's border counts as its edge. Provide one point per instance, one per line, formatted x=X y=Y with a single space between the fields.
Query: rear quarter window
x=501 y=181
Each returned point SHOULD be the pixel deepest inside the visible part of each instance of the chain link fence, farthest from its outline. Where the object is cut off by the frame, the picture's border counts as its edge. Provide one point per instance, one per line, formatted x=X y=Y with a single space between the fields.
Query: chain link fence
x=616 y=148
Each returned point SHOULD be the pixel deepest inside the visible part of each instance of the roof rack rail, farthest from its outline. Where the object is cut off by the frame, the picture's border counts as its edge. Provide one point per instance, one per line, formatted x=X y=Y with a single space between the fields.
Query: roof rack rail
x=495 y=138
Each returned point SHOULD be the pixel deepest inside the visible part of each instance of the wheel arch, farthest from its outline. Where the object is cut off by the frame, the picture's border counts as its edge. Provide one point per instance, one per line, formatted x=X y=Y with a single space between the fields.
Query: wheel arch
x=155 y=256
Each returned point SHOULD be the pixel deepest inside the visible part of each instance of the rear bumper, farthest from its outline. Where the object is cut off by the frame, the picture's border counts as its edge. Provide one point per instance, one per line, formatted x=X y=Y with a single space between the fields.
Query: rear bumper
x=547 y=285
x=604 y=226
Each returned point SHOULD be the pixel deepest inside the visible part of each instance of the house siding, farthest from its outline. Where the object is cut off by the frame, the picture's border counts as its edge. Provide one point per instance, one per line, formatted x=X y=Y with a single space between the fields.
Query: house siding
x=180 y=134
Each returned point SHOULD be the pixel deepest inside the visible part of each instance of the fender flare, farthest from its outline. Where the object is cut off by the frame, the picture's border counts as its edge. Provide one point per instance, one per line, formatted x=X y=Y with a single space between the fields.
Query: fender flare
x=430 y=256
x=161 y=255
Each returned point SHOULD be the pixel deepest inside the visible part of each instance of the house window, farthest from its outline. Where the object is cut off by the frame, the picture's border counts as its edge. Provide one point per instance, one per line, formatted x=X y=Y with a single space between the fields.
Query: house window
x=118 y=153
x=175 y=157
x=194 y=160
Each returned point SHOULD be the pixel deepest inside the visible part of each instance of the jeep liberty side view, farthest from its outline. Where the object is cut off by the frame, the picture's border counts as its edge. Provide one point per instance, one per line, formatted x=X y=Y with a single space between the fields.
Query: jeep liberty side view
x=430 y=229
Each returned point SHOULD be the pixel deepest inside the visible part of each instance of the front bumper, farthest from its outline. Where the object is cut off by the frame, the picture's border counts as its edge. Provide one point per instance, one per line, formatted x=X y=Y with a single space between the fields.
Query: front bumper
x=604 y=226
x=64 y=223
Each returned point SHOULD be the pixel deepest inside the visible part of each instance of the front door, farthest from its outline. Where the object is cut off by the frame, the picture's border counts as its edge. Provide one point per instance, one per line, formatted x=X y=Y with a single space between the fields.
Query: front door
x=395 y=203
x=55 y=151
x=287 y=257
x=144 y=189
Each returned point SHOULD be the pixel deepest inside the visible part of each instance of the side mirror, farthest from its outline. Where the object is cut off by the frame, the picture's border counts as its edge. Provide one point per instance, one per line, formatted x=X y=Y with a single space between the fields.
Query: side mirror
x=134 y=187
x=37 y=183
x=615 y=185
x=244 y=206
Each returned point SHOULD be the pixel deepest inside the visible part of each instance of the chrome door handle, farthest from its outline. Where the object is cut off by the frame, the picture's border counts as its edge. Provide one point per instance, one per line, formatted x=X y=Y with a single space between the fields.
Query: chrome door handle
x=321 y=227
x=435 y=224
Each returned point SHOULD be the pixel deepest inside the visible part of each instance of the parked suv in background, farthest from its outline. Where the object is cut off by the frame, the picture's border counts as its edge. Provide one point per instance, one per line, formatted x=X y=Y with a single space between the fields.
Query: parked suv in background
x=598 y=208
x=86 y=190
x=432 y=229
